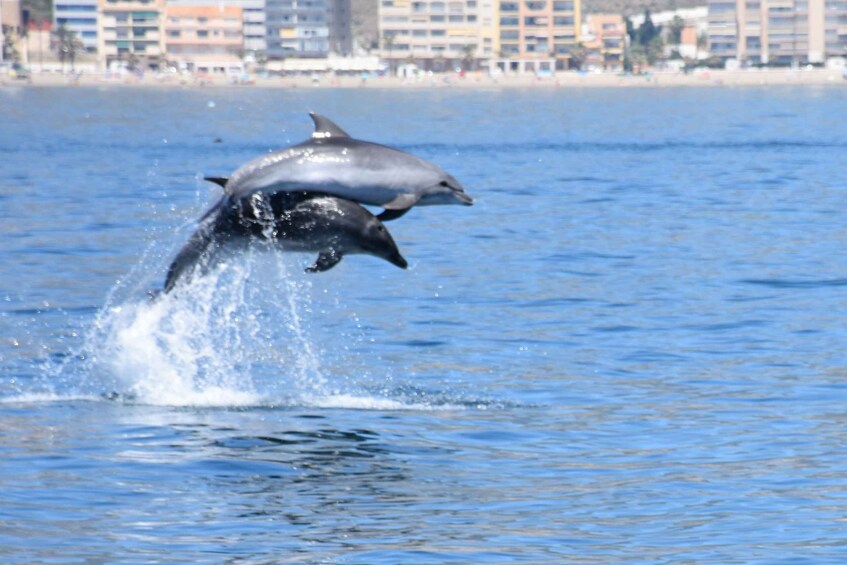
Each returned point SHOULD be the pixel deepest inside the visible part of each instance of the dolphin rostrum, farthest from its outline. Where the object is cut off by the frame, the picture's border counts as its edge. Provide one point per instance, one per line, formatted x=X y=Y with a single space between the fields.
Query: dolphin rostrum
x=332 y=162
x=294 y=221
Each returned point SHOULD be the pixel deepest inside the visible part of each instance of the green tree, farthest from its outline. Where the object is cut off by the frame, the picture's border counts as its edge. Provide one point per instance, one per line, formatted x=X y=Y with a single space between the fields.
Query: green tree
x=578 y=54
x=10 y=51
x=645 y=43
x=468 y=56
x=648 y=29
x=66 y=44
x=675 y=30
x=388 y=44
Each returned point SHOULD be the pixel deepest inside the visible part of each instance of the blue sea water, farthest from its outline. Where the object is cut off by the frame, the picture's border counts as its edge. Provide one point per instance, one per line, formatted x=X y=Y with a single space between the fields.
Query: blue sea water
x=630 y=349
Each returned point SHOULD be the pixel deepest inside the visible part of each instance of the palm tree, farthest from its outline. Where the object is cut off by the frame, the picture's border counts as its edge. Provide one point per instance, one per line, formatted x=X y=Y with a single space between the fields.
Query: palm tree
x=388 y=43
x=65 y=42
x=468 y=56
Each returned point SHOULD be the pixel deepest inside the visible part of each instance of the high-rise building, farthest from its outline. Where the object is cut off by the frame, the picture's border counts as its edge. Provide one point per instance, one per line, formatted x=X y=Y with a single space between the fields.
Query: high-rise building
x=308 y=28
x=437 y=35
x=778 y=31
x=205 y=38
x=130 y=32
x=539 y=30
x=79 y=17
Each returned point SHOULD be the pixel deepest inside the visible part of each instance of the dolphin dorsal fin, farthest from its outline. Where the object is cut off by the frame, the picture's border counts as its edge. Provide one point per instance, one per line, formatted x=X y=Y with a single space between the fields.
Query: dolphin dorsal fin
x=326 y=128
x=220 y=181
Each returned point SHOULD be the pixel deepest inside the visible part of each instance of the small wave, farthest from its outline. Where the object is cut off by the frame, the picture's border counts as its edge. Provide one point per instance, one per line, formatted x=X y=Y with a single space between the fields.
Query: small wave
x=354 y=402
x=48 y=398
x=618 y=146
x=797 y=284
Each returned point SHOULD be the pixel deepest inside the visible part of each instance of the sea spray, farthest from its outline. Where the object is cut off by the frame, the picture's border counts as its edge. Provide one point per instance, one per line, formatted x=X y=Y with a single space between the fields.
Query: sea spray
x=237 y=336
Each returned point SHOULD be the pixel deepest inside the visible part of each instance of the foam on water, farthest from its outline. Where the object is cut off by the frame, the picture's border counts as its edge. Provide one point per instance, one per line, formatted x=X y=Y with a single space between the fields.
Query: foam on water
x=201 y=344
x=240 y=336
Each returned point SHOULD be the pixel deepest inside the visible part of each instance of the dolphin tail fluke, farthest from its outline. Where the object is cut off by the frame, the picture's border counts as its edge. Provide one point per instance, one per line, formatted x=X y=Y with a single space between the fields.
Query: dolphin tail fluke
x=326 y=260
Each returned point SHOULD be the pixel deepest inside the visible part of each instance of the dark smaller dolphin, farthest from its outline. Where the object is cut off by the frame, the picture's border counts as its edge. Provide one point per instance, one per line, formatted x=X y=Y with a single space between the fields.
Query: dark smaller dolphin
x=294 y=221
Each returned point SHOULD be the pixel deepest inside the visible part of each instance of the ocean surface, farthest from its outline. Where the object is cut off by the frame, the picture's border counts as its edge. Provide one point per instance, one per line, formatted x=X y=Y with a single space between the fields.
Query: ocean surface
x=632 y=348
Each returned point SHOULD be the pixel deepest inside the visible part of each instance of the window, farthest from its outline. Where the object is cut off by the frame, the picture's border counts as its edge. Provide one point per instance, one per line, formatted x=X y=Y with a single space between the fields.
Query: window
x=75 y=8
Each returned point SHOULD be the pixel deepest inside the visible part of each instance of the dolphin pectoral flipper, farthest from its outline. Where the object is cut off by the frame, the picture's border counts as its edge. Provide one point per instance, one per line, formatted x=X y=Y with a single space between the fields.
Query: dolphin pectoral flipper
x=326 y=260
x=325 y=128
x=388 y=215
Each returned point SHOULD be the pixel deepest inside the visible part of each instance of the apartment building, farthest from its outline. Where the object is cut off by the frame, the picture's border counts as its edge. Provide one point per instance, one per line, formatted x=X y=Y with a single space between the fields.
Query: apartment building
x=437 y=35
x=253 y=18
x=778 y=31
x=79 y=17
x=206 y=39
x=605 y=41
x=130 y=32
x=535 y=34
x=308 y=28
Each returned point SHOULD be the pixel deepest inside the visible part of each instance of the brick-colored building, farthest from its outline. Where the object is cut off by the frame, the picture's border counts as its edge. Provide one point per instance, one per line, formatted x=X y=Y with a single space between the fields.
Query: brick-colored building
x=538 y=30
x=605 y=42
x=205 y=38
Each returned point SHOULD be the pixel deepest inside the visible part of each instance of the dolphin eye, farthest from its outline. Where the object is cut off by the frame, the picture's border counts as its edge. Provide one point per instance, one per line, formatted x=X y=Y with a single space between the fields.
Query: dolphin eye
x=444 y=183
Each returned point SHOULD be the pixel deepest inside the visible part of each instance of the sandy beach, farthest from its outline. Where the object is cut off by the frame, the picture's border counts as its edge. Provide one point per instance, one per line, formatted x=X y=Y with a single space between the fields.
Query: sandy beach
x=698 y=78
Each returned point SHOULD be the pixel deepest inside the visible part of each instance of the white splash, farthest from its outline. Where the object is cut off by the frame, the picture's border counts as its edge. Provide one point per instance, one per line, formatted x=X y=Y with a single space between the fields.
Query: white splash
x=204 y=343
x=246 y=334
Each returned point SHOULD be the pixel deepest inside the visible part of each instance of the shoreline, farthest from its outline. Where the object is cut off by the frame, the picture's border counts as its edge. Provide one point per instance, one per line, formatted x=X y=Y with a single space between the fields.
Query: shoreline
x=564 y=80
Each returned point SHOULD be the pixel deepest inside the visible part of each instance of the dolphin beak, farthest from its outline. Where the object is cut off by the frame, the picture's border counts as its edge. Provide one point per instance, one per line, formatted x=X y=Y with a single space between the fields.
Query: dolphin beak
x=398 y=260
x=464 y=198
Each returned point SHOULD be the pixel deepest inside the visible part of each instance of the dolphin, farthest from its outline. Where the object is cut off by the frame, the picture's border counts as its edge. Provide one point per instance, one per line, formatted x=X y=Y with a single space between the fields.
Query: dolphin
x=294 y=221
x=333 y=163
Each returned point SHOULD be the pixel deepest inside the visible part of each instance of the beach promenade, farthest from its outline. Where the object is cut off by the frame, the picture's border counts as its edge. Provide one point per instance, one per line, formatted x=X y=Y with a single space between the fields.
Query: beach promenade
x=698 y=78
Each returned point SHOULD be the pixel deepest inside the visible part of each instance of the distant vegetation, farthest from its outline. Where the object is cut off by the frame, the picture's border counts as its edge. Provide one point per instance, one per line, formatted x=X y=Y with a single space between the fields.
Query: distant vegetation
x=633 y=7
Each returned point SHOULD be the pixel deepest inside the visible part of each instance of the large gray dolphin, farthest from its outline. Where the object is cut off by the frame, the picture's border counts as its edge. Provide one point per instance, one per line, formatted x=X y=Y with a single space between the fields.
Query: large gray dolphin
x=294 y=221
x=332 y=162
